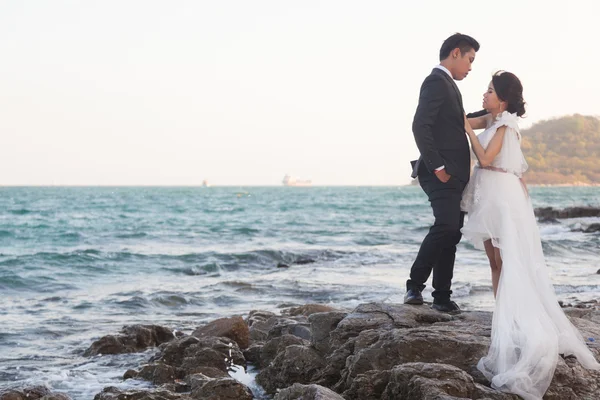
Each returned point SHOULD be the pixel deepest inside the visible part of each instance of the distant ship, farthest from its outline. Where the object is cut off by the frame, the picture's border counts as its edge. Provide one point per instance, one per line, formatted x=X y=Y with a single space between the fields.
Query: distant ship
x=291 y=181
x=205 y=183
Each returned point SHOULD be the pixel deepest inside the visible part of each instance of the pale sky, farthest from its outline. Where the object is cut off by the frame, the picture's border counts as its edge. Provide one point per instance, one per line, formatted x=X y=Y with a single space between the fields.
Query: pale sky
x=122 y=92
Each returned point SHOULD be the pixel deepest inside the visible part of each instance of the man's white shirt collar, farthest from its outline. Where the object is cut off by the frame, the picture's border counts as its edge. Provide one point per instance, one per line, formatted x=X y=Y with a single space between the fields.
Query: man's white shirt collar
x=440 y=66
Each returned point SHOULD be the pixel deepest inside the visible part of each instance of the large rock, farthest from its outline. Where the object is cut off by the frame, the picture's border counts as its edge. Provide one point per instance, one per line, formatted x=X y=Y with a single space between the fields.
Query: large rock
x=381 y=350
x=260 y=323
x=377 y=351
x=384 y=351
x=376 y=318
x=380 y=336
x=132 y=339
x=587 y=321
x=549 y=213
x=384 y=316
x=252 y=353
x=595 y=227
x=257 y=316
x=192 y=353
x=572 y=382
x=113 y=393
x=336 y=363
x=272 y=326
x=368 y=386
x=295 y=364
x=276 y=346
x=321 y=326
x=222 y=389
x=197 y=387
x=436 y=381
x=209 y=356
x=307 y=392
x=297 y=326
x=160 y=373
x=308 y=309
x=32 y=393
x=234 y=328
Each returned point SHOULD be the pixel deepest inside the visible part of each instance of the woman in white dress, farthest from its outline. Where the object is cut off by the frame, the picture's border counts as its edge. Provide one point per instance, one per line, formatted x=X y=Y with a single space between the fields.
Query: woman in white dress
x=529 y=329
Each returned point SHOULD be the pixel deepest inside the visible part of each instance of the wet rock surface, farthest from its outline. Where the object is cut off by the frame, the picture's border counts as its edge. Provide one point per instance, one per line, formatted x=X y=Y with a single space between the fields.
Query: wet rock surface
x=376 y=351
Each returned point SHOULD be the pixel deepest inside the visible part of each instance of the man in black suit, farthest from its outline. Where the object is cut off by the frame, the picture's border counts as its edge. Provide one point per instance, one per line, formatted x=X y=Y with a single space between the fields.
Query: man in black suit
x=443 y=170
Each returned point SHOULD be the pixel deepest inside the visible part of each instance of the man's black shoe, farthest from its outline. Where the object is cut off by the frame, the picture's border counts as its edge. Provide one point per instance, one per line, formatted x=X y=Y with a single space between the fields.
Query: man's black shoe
x=413 y=297
x=449 y=307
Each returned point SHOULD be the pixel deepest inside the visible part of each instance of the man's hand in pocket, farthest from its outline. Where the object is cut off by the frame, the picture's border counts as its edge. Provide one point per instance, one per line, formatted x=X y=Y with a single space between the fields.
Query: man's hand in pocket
x=442 y=175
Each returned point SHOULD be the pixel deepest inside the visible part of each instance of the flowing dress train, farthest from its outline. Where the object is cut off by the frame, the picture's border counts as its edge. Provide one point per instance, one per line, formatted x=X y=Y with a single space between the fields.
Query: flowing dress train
x=529 y=329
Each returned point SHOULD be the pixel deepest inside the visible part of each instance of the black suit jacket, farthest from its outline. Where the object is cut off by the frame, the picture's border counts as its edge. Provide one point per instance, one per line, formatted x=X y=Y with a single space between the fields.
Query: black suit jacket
x=438 y=127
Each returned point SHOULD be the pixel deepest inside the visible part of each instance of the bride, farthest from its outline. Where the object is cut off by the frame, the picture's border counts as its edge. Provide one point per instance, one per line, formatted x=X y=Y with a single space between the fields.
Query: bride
x=529 y=329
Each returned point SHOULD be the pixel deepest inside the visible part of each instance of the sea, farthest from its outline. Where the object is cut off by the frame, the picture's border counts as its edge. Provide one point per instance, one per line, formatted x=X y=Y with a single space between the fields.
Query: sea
x=78 y=263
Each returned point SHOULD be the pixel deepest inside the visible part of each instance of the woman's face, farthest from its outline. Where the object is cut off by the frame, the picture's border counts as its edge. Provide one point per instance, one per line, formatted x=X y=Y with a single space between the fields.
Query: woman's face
x=491 y=102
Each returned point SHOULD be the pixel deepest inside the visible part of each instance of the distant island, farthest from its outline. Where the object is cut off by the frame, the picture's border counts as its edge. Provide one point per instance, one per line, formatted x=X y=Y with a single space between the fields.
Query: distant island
x=563 y=151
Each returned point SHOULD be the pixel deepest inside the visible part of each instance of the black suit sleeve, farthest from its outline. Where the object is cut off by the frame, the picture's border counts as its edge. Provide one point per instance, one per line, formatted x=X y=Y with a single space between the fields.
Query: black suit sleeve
x=433 y=94
x=477 y=114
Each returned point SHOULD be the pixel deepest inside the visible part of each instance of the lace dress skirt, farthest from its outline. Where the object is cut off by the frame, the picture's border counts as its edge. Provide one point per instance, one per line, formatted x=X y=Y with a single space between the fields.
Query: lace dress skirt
x=529 y=329
x=490 y=197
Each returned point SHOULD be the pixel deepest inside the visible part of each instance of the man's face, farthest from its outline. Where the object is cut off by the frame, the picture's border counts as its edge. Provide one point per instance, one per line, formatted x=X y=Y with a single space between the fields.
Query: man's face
x=462 y=64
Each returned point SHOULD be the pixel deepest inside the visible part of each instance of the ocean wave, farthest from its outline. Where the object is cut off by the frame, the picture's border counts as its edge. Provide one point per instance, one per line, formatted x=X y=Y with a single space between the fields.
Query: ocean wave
x=212 y=262
x=84 y=305
x=562 y=289
x=11 y=262
x=133 y=303
x=422 y=228
x=171 y=300
x=461 y=289
x=246 y=231
x=161 y=299
x=5 y=233
x=75 y=258
x=72 y=265
x=53 y=299
x=71 y=236
x=372 y=241
x=20 y=211
x=554 y=230
x=563 y=247
x=10 y=281
x=132 y=235
x=196 y=270
x=224 y=209
x=245 y=287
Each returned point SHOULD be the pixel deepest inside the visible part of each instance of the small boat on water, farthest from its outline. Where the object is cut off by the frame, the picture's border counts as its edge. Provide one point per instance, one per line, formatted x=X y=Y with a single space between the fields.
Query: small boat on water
x=291 y=181
x=205 y=183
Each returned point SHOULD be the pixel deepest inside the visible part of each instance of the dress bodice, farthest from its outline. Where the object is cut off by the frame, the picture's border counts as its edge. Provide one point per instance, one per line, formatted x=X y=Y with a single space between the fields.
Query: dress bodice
x=510 y=158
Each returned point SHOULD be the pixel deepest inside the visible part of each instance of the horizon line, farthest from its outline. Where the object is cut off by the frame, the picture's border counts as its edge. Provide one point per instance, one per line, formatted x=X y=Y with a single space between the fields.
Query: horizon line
x=200 y=185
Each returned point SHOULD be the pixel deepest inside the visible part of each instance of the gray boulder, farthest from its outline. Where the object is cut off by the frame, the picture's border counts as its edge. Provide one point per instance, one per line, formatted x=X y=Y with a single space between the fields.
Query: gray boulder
x=132 y=339
x=307 y=392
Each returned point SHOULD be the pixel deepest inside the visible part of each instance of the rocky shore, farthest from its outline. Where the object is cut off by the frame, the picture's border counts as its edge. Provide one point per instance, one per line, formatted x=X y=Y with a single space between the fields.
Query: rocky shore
x=376 y=351
x=551 y=214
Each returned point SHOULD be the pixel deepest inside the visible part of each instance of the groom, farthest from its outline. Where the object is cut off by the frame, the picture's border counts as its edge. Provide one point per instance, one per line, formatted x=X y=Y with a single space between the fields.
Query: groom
x=443 y=170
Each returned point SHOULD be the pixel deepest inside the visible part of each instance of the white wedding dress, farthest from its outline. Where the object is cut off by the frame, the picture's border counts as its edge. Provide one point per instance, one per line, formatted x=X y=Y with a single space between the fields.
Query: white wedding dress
x=529 y=329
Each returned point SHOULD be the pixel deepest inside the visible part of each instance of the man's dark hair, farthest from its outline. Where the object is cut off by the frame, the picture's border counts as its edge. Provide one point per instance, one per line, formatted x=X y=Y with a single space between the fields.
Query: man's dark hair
x=464 y=42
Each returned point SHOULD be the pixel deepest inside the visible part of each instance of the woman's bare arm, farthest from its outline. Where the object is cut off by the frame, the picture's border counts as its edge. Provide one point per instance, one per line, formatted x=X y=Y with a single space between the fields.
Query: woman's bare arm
x=485 y=156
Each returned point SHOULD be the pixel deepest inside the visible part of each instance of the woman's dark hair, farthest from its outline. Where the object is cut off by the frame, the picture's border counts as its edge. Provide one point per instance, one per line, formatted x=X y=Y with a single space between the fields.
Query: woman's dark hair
x=464 y=42
x=509 y=89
